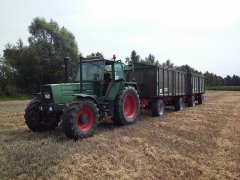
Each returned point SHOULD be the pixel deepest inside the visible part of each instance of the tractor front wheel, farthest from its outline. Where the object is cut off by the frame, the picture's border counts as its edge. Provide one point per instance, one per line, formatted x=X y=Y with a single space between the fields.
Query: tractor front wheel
x=35 y=119
x=80 y=119
x=127 y=107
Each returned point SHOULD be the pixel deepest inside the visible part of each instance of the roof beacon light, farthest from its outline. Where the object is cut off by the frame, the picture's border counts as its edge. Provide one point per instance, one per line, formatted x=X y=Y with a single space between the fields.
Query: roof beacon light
x=114 y=57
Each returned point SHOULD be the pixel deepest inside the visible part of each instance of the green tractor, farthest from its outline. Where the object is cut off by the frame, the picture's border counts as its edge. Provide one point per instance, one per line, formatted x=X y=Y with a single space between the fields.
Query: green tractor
x=100 y=91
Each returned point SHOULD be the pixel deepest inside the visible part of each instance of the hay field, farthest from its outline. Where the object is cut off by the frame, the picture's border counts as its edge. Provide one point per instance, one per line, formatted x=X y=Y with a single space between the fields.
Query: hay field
x=202 y=142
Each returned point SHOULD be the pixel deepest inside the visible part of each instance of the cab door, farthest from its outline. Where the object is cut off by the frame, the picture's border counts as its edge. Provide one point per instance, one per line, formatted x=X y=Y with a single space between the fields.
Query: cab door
x=118 y=81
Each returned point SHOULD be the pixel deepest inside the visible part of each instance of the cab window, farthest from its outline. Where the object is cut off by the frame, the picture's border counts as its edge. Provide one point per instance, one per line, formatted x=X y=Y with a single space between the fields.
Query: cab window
x=118 y=71
x=91 y=71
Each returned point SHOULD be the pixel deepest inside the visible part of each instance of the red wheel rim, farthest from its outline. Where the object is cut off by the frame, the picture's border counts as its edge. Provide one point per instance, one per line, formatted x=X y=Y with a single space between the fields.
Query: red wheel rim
x=86 y=113
x=130 y=105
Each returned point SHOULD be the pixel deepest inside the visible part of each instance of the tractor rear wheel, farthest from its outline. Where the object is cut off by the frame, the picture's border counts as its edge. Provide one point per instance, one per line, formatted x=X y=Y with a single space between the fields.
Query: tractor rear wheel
x=80 y=119
x=127 y=107
x=35 y=120
x=158 y=108
x=191 y=101
x=179 y=104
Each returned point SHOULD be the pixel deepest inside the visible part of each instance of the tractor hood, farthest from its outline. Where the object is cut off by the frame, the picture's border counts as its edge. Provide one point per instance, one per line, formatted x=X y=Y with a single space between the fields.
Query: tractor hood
x=63 y=93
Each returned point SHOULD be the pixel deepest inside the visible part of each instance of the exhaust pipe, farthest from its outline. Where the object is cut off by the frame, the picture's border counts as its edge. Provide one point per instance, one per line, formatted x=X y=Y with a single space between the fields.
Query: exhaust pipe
x=80 y=75
x=66 y=70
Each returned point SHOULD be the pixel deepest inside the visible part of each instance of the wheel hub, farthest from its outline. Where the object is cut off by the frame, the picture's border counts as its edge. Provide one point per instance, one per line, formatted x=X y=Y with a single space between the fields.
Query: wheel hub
x=84 y=118
x=160 y=109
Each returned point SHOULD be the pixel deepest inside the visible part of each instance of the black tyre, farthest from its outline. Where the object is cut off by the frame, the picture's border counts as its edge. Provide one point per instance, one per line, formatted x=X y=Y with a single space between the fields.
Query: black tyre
x=127 y=107
x=179 y=104
x=35 y=120
x=191 y=101
x=200 y=99
x=158 y=108
x=80 y=119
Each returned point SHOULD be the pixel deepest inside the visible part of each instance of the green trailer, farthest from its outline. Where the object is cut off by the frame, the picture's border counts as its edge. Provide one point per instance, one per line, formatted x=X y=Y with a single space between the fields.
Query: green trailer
x=166 y=87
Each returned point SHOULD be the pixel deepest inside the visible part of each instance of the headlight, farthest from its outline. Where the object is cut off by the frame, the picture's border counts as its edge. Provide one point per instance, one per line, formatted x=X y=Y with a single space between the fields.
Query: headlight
x=47 y=95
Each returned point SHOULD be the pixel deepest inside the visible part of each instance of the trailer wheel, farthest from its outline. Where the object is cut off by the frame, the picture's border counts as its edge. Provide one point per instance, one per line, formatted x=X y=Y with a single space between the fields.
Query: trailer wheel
x=158 y=108
x=127 y=107
x=179 y=104
x=191 y=101
x=80 y=119
x=200 y=99
x=35 y=120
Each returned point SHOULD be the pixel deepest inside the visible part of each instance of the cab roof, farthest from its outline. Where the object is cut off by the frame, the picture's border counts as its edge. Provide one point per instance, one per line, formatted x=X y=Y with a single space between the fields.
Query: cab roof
x=98 y=58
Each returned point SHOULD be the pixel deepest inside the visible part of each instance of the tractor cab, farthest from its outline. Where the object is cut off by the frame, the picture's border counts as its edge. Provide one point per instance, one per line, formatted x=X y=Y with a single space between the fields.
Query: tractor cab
x=100 y=77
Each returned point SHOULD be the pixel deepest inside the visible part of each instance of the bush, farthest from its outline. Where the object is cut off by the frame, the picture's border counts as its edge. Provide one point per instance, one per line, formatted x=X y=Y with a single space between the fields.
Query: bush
x=2 y=93
x=10 y=90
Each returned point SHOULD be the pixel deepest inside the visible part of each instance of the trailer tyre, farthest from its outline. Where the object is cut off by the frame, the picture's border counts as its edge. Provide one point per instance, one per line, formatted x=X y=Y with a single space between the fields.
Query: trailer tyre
x=158 y=108
x=127 y=107
x=35 y=120
x=80 y=119
x=191 y=101
x=179 y=104
x=200 y=99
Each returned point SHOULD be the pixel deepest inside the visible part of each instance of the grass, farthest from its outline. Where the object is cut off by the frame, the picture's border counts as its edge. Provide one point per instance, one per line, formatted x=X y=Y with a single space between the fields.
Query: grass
x=16 y=97
x=224 y=88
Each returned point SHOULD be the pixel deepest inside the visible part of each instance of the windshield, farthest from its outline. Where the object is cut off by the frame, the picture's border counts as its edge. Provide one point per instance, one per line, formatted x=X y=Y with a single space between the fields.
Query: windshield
x=92 y=71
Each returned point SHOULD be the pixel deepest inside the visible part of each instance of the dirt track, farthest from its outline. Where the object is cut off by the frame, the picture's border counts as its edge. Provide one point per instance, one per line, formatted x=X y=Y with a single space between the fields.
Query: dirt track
x=200 y=142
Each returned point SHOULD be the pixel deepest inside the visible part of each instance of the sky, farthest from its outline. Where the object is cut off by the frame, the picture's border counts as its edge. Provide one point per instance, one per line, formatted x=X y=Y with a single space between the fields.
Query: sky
x=203 y=34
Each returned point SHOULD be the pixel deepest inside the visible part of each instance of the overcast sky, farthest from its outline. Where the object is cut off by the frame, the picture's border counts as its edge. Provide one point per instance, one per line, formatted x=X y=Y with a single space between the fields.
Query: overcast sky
x=203 y=34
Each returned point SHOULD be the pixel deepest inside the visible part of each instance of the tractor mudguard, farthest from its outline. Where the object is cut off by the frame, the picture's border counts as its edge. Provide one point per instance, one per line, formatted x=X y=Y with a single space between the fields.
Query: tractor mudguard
x=86 y=96
x=133 y=84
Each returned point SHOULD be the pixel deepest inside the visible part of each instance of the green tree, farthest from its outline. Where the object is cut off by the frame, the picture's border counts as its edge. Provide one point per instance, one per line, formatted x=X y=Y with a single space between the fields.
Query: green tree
x=26 y=66
x=213 y=80
x=128 y=60
x=41 y=62
x=95 y=54
x=235 y=80
x=151 y=60
x=227 y=80
x=2 y=76
x=220 y=80
x=7 y=81
x=134 y=58
x=167 y=65
x=207 y=75
x=52 y=43
x=187 y=68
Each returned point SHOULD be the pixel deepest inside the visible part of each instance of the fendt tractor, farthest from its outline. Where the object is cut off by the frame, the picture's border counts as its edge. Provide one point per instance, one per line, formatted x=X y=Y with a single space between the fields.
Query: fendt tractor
x=110 y=89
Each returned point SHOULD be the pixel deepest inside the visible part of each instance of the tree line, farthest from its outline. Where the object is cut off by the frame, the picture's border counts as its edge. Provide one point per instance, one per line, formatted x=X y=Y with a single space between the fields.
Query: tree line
x=23 y=68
